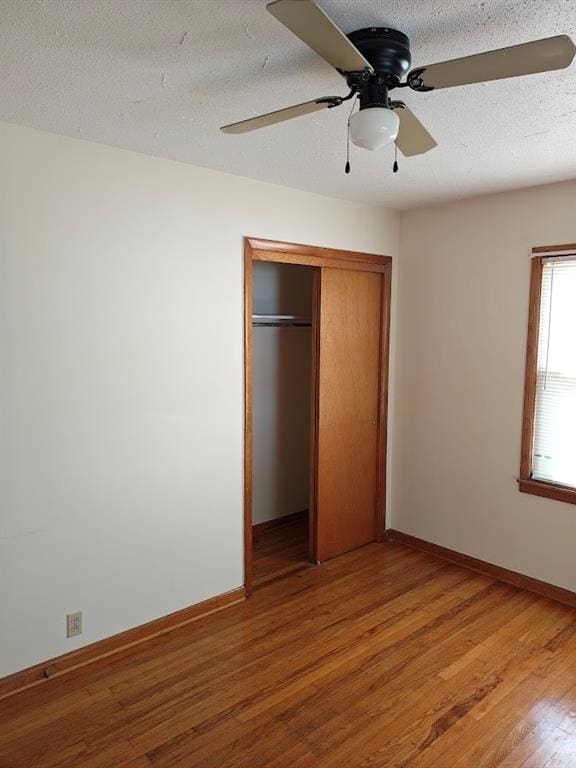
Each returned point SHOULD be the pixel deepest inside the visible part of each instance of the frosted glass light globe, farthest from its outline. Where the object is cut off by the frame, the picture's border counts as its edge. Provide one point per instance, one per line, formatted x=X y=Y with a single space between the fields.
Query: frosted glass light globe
x=374 y=127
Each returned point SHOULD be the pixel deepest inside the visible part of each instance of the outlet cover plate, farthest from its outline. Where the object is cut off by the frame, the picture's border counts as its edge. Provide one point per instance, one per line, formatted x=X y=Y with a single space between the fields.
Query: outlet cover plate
x=74 y=624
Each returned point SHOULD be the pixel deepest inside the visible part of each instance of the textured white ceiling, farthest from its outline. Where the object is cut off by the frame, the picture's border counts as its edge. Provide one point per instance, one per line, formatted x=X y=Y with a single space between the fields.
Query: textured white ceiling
x=160 y=77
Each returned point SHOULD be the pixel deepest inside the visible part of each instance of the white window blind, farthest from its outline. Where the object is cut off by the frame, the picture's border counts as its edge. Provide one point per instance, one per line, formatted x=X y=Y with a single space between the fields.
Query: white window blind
x=554 y=458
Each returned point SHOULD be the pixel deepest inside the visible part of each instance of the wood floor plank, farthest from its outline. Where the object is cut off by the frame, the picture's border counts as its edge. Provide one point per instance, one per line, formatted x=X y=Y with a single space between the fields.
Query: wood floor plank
x=383 y=658
x=281 y=549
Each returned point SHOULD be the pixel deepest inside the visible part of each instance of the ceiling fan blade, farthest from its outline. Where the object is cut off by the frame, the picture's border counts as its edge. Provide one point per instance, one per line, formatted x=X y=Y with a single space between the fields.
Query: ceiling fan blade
x=280 y=115
x=413 y=138
x=526 y=59
x=315 y=28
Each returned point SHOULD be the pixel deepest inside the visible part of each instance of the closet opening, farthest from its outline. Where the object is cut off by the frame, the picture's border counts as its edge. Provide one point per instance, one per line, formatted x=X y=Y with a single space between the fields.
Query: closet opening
x=316 y=340
x=283 y=344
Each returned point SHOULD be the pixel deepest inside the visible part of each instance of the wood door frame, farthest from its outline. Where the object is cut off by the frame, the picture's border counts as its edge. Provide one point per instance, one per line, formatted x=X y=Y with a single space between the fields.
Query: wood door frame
x=257 y=249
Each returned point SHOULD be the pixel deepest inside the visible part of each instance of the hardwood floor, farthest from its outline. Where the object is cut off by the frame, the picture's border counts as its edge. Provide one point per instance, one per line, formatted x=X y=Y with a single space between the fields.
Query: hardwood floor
x=386 y=657
x=280 y=549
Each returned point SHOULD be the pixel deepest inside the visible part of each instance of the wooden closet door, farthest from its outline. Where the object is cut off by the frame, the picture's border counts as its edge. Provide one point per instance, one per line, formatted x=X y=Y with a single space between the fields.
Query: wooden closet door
x=348 y=393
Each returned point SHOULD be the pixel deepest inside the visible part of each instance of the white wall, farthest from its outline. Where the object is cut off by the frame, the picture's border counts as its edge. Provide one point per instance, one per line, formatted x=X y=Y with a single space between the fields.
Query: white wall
x=282 y=384
x=461 y=336
x=121 y=399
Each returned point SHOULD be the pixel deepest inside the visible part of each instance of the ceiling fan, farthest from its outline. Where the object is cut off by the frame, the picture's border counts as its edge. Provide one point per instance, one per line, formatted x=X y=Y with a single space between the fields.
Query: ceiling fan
x=374 y=61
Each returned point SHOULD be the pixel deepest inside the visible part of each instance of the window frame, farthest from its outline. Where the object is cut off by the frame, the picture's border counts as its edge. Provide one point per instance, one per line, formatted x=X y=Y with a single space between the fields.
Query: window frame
x=526 y=484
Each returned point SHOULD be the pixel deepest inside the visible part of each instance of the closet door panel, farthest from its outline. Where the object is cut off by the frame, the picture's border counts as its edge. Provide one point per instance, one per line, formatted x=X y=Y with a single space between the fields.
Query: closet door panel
x=348 y=385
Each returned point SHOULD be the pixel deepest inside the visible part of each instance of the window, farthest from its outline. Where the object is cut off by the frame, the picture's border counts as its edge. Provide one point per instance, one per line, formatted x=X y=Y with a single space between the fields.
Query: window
x=549 y=432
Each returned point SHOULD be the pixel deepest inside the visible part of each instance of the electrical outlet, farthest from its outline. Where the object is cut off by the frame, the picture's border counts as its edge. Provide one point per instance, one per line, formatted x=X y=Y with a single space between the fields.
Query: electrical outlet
x=74 y=624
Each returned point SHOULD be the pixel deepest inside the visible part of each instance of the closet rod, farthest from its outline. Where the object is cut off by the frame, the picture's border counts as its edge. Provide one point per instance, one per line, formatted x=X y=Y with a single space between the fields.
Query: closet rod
x=282 y=325
x=280 y=321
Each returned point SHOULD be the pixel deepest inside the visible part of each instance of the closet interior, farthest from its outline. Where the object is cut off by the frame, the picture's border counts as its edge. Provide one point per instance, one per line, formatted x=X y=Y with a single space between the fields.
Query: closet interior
x=282 y=354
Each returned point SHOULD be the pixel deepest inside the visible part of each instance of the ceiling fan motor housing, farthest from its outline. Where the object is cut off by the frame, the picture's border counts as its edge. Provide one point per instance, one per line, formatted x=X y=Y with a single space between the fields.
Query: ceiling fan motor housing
x=388 y=51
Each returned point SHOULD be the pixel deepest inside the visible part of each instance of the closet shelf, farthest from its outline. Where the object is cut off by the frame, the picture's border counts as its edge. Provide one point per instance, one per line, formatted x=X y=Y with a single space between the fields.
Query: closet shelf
x=280 y=321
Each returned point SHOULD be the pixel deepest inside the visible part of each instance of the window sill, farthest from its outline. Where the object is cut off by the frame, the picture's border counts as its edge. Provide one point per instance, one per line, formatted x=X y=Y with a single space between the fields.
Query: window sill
x=550 y=491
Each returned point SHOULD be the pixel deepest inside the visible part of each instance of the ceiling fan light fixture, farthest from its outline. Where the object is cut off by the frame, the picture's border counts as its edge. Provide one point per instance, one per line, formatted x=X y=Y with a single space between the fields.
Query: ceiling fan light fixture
x=374 y=127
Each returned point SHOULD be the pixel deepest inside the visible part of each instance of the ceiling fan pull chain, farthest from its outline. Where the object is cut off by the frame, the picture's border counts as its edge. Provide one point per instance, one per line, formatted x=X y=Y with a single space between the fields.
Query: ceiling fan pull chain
x=347 y=166
x=395 y=166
